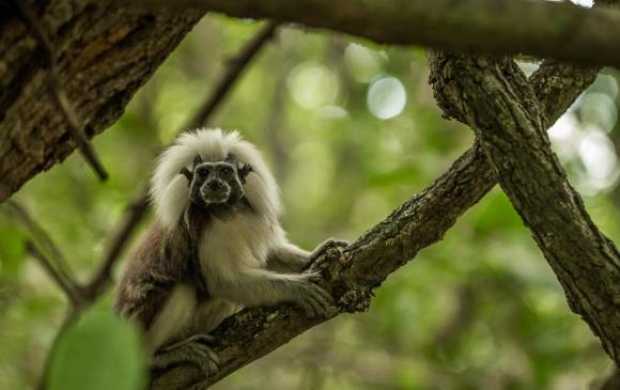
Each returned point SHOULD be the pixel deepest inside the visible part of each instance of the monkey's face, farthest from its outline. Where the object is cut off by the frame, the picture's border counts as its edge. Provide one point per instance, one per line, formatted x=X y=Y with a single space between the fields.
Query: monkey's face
x=217 y=183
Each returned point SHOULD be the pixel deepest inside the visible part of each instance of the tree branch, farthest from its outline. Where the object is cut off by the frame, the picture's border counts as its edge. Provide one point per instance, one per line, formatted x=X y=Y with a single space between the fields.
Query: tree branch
x=57 y=89
x=502 y=108
x=56 y=265
x=104 y=54
x=120 y=239
x=544 y=29
x=237 y=66
x=66 y=285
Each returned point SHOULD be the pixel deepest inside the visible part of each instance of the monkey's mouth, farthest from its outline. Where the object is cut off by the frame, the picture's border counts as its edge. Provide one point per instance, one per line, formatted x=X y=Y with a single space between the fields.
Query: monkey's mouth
x=216 y=197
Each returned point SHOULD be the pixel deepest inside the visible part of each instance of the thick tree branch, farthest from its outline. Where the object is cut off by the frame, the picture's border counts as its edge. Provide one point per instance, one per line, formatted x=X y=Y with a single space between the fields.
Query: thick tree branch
x=494 y=98
x=540 y=28
x=418 y=223
x=104 y=54
x=57 y=88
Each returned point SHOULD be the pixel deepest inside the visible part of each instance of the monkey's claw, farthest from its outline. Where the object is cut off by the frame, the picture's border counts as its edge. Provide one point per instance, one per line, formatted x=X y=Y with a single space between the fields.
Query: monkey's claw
x=193 y=350
x=332 y=248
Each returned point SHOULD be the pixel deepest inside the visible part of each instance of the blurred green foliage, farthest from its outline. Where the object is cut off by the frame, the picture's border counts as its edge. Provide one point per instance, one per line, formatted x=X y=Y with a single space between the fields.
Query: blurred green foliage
x=98 y=352
x=479 y=310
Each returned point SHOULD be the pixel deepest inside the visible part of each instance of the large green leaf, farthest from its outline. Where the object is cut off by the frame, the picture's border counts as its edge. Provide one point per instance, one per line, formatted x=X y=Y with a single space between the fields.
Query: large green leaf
x=99 y=352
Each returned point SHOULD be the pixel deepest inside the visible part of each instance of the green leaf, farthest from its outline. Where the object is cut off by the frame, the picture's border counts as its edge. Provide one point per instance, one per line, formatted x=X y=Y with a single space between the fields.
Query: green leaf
x=99 y=352
x=11 y=252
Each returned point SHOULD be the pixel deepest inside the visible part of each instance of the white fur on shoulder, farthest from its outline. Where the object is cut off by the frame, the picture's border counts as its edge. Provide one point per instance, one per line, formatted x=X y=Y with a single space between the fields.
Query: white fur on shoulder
x=169 y=188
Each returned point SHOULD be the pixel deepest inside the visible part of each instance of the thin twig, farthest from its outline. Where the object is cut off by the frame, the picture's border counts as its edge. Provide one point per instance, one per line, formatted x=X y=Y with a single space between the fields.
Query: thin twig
x=131 y=218
x=139 y=206
x=237 y=65
x=69 y=288
x=58 y=91
x=42 y=238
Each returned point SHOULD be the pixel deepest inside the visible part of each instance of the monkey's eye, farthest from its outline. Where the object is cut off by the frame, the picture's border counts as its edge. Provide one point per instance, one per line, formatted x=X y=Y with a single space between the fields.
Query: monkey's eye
x=203 y=171
x=226 y=170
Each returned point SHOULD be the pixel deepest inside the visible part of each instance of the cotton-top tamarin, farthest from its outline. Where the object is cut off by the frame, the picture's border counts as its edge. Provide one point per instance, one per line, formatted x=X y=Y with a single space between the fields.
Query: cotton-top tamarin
x=215 y=247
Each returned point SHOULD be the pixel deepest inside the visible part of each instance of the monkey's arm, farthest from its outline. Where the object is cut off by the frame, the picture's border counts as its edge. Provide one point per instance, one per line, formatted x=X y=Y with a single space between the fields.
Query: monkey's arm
x=288 y=257
x=257 y=287
x=156 y=292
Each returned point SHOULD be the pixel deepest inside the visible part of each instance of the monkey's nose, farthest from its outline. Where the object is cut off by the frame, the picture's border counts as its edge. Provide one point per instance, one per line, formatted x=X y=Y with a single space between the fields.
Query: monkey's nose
x=215 y=185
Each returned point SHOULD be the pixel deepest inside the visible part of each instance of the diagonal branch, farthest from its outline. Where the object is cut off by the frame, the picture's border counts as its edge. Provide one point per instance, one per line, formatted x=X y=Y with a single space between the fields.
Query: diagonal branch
x=55 y=265
x=418 y=223
x=501 y=107
x=66 y=285
x=237 y=66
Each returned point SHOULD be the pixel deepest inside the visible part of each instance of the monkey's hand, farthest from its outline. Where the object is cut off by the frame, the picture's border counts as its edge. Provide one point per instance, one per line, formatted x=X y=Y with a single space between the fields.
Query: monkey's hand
x=193 y=350
x=312 y=298
x=331 y=248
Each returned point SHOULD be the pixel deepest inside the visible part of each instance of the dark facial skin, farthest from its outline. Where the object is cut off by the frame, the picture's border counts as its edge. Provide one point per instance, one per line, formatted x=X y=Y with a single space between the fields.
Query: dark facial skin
x=217 y=185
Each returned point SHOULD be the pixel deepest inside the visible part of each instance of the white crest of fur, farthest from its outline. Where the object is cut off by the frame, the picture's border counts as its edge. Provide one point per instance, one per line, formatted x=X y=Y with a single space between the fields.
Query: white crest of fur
x=170 y=190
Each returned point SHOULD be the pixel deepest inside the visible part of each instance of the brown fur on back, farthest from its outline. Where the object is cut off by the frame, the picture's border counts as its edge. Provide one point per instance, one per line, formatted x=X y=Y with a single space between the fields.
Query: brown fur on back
x=162 y=260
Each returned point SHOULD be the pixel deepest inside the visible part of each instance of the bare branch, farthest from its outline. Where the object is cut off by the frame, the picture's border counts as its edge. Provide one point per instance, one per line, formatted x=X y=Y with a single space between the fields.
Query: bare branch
x=58 y=91
x=235 y=69
x=501 y=106
x=120 y=239
x=42 y=238
x=67 y=286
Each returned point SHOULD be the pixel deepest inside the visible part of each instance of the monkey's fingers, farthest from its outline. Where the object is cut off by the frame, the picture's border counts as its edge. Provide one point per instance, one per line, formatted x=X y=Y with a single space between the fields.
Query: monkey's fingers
x=332 y=249
x=188 y=351
x=318 y=300
x=202 y=338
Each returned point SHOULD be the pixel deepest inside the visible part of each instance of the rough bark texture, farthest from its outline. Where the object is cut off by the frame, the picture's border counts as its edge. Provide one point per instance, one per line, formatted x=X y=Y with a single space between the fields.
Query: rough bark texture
x=544 y=29
x=494 y=98
x=418 y=223
x=105 y=54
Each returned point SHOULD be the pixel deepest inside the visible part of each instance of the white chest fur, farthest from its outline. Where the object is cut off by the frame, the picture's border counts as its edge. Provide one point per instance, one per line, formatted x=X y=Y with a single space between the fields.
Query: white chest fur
x=230 y=246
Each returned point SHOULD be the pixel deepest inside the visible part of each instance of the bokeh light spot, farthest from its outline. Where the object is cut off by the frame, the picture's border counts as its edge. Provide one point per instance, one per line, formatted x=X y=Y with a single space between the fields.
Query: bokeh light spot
x=386 y=97
x=313 y=85
x=363 y=63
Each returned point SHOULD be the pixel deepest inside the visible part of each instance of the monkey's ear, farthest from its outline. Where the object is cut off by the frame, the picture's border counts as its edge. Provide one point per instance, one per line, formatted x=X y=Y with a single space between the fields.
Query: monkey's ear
x=197 y=160
x=186 y=172
x=244 y=170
